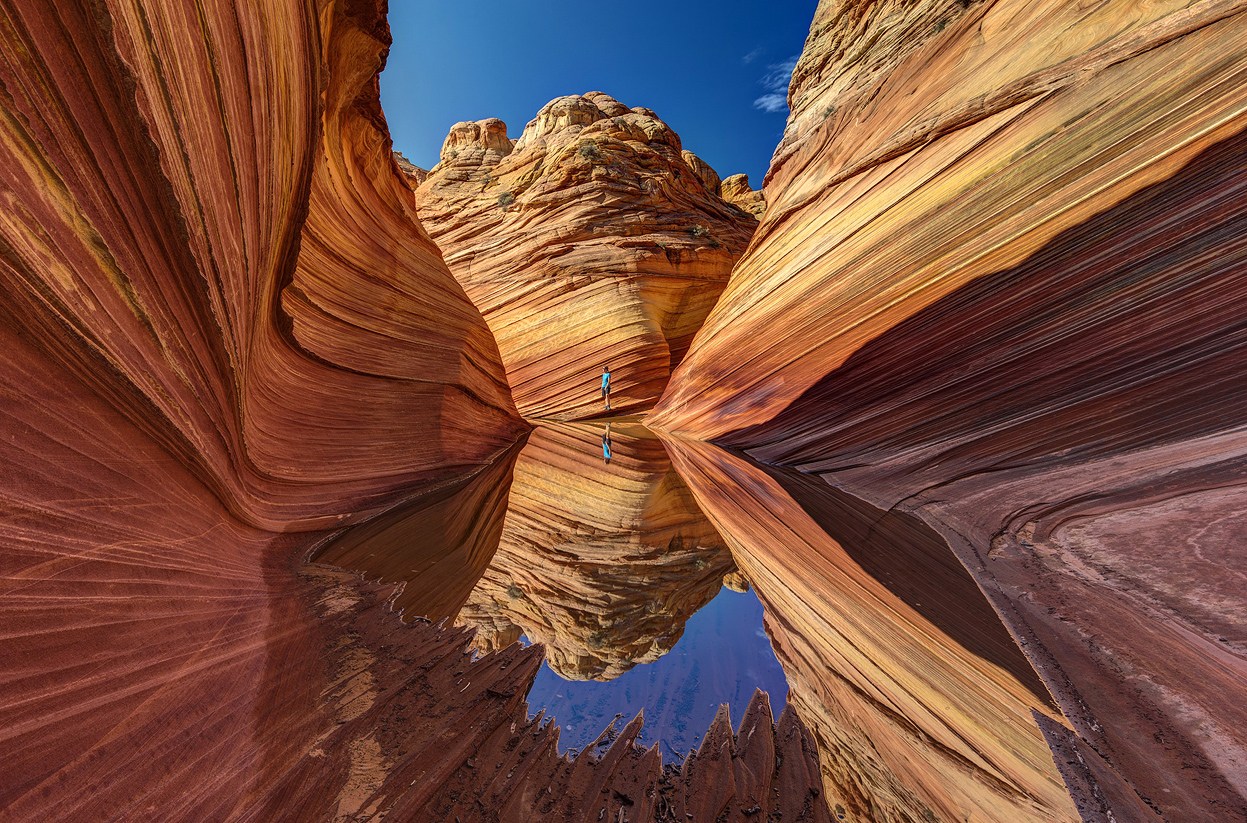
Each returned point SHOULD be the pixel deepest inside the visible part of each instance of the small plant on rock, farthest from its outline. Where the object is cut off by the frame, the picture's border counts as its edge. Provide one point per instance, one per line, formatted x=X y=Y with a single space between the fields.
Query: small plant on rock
x=505 y=199
x=589 y=150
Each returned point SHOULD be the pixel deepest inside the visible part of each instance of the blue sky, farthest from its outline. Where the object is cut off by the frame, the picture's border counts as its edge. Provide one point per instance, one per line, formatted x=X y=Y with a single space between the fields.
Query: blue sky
x=717 y=72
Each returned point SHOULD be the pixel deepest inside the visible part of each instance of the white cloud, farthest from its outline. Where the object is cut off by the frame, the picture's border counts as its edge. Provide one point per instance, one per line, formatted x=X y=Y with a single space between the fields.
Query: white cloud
x=776 y=81
x=771 y=102
x=751 y=56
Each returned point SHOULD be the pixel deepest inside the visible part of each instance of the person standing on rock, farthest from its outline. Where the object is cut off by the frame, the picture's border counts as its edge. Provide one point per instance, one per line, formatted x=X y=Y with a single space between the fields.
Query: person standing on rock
x=606 y=445
x=606 y=386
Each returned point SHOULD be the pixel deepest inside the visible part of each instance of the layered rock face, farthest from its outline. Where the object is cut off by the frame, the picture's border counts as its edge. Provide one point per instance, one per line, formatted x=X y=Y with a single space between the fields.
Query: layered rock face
x=1005 y=242
x=602 y=564
x=922 y=705
x=590 y=241
x=223 y=332
x=238 y=285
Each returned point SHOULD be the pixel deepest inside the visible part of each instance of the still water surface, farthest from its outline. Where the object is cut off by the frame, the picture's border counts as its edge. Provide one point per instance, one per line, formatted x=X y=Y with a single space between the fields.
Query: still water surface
x=723 y=656
x=644 y=578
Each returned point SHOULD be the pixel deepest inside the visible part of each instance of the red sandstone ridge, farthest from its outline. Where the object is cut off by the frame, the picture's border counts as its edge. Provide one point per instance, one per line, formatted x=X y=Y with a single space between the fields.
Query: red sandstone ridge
x=223 y=337
x=1005 y=241
x=238 y=285
x=591 y=240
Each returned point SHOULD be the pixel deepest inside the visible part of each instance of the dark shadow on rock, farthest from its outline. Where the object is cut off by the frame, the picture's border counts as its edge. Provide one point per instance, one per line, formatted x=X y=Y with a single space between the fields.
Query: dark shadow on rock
x=437 y=546
x=915 y=564
x=1126 y=331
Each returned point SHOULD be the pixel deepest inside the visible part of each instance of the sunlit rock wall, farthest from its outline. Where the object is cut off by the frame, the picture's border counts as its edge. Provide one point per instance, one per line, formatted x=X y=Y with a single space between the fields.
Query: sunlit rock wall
x=1005 y=241
x=590 y=241
x=223 y=332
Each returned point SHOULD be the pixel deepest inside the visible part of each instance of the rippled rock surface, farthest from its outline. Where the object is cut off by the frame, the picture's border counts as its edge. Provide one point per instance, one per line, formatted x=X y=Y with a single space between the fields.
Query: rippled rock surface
x=589 y=241
x=1005 y=243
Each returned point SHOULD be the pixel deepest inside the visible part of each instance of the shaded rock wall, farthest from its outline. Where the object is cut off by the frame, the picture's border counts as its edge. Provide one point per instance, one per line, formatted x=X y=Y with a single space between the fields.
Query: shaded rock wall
x=1006 y=242
x=589 y=241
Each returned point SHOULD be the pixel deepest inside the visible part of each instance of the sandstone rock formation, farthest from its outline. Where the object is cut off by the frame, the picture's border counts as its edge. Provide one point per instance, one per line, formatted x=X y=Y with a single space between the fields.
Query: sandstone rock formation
x=222 y=332
x=922 y=705
x=736 y=190
x=589 y=241
x=413 y=173
x=600 y=564
x=238 y=286
x=1005 y=243
x=224 y=338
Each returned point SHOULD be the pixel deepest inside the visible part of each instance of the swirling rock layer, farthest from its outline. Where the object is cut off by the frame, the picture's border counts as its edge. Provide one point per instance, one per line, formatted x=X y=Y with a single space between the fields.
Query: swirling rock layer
x=223 y=333
x=1005 y=242
x=922 y=705
x=590 y=241
x=244 y=280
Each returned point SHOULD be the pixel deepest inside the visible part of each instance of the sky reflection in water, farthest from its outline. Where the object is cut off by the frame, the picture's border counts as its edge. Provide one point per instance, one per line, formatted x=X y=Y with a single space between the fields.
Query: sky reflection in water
x=723 y=656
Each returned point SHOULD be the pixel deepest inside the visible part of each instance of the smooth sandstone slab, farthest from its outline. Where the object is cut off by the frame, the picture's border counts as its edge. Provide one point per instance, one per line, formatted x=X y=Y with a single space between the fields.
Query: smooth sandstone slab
x=592 y=240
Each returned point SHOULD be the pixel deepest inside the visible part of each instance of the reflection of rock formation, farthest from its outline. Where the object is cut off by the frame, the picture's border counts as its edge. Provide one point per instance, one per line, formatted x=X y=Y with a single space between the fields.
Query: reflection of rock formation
x=602 y=564
x=921 y=702
x=590 y=241
x=1011 y=284
x=437 y=546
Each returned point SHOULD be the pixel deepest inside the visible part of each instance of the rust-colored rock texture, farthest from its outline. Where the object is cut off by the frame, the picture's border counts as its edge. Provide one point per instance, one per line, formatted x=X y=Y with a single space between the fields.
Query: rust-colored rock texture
x=592 y=240
x=922 y=705
x=224 y=337
x=1007 y=242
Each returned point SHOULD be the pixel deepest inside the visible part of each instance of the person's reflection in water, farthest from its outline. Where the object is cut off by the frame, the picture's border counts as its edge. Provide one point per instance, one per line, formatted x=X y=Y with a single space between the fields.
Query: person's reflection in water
x=606 y=444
